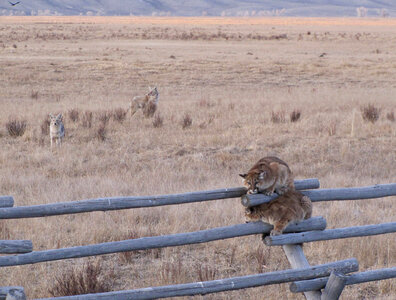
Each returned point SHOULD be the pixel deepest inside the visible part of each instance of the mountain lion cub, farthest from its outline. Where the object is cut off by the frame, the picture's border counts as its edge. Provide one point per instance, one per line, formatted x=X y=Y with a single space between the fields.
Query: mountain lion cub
x=290 y=207
x=269 y=174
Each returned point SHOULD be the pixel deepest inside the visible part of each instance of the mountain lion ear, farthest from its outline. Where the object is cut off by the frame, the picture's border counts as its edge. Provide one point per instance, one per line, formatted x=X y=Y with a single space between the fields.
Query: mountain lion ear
x=243 y=175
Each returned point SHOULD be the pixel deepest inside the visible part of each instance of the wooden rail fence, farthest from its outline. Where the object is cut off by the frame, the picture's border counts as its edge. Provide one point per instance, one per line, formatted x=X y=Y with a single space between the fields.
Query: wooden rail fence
x=117 y=203
x=221 y=285
x=310 y=280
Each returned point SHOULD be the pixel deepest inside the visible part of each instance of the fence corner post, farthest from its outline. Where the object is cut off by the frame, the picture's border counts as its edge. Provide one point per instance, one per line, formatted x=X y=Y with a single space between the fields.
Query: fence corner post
x=297 y=259
x=16 y=294
x=334 y=286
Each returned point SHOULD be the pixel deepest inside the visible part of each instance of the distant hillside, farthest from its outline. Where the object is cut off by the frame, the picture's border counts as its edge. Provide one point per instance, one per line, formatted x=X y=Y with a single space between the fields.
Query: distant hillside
x=305 y=8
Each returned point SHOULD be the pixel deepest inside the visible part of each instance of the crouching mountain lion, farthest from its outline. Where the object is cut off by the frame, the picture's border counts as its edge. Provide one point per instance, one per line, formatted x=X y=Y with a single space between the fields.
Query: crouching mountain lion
x=292 y=206
x=269 y=174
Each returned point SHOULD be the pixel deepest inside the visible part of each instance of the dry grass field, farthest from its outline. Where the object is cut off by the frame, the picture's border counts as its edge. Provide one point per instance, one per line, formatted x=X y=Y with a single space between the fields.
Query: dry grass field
x=238 y=80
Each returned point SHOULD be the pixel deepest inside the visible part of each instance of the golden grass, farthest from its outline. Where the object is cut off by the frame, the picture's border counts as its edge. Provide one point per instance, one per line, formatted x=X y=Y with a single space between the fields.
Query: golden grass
x=229 y=89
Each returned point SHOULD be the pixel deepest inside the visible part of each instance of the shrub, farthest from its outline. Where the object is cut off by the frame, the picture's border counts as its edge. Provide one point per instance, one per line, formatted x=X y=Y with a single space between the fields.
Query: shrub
x=104 y=117
x=332 y=128
x=149 y=109
x=86 y=119
x=34 y=95
x=45 y=126
x=390 y=116
x=119 y=115
x=187 y=121
x=158 y=121
x=370 y=113
x=80 y=280
x=73 y=115
x=295 y=115
x=278 y=117
x=16 y=128
x=205 y=103
x=101 y=132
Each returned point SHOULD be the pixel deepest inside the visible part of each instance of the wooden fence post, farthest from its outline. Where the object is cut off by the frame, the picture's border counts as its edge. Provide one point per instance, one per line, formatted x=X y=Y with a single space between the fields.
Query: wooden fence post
x=334 y=286
x=297 y=259
x=14 y=293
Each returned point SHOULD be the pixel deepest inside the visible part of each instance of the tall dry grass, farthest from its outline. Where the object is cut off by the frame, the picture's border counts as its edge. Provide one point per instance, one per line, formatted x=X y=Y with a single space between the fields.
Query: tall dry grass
x=230 y=97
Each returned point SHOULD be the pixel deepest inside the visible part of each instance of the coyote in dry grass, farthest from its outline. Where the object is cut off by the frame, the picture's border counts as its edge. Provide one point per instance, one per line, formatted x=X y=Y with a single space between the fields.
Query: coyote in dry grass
x=270 y=174
x=292 y=206
x=57 y=130
x=147 y=103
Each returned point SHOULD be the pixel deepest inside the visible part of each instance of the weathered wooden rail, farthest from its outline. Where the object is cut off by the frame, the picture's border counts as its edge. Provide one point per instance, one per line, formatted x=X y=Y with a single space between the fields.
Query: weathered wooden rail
x=356 y=278
x=303 y=277
x=221 y=285
x=117 y=203
x=330 y=234
x=163 y=241
x=357 y=193
x=13 y=247
x=6 y=201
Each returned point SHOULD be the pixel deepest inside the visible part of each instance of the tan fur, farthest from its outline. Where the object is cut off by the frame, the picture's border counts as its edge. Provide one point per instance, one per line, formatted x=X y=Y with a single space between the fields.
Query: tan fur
x=270 y=174
x=147 y=103
x=290 y=207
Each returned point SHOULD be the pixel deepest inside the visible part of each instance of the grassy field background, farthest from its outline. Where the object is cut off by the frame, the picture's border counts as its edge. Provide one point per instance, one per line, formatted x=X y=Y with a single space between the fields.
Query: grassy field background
x=230 y=76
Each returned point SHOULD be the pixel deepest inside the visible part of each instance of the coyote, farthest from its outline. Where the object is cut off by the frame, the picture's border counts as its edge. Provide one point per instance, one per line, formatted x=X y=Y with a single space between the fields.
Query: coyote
x=269 y=174
x=57 y=130
x=147 y=103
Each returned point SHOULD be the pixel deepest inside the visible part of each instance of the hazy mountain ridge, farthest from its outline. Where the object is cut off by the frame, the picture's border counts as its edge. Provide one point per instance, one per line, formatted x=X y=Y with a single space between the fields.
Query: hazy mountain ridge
x=308 y=8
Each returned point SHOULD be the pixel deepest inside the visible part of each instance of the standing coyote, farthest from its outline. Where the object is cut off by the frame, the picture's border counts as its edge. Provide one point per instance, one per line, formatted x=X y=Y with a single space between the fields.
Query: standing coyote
x=57 y=130
x=147 y=103
x=269 y=174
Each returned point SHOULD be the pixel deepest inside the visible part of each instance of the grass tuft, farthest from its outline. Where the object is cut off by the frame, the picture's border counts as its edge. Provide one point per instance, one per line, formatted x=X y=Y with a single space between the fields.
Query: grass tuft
x=295 y=115
x=87 y=279
x=158 y=121
x=101 y=132
x=119 y=114
x=74 y=115
x=34 y=95
x=86 y=119
x=370 y=113
x=16 y=128
x=186 y=121
x=390 y=116
x=104 y=117
x=45 y=126
x=278 y=117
